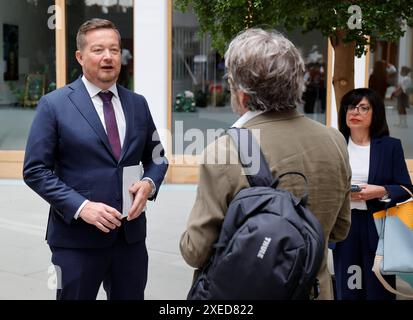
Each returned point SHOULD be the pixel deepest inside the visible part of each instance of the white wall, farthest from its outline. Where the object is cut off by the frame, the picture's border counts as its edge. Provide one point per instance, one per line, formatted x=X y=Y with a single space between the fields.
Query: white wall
x=360 y=72
x=151 y=58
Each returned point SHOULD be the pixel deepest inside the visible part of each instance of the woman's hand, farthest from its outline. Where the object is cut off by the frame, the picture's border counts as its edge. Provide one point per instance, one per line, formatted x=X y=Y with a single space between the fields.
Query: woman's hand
x=368 y=192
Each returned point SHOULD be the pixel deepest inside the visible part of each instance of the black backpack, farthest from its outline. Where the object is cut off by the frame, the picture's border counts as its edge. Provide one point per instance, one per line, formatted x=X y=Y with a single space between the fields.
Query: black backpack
x=270 y=245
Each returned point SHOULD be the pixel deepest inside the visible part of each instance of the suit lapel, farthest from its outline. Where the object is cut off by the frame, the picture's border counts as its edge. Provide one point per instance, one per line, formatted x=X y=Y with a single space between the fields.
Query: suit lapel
x=83 y=103
x=374 y=159
x=128 y=110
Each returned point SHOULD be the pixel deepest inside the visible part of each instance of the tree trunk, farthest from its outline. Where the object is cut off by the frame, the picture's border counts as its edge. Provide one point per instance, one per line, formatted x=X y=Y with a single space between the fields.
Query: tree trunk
x=343 y=76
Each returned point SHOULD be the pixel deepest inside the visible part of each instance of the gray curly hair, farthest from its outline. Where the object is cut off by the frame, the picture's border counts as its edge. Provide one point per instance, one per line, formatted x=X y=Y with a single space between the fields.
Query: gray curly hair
x=268 y=68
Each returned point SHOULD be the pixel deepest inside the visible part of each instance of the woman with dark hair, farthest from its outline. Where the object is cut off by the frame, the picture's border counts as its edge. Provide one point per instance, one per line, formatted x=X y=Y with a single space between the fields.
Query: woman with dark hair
x=379 y=168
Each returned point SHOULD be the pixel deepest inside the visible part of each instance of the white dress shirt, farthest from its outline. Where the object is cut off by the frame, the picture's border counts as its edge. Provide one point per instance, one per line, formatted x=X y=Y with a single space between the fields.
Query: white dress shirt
x=120 y=120
x=359 y=157
x=117 y=106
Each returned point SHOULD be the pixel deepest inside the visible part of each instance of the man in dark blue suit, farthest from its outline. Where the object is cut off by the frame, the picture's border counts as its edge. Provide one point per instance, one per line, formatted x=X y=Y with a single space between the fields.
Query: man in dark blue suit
x=82 y=138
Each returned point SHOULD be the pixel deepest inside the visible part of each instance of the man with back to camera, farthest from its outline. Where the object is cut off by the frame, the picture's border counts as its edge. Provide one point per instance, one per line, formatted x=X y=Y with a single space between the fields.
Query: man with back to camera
x=82 y=138
x=265 y=73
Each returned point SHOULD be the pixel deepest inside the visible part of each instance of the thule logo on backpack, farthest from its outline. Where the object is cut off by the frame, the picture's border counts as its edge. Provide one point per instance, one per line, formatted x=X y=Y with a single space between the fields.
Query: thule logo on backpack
x=264 y=247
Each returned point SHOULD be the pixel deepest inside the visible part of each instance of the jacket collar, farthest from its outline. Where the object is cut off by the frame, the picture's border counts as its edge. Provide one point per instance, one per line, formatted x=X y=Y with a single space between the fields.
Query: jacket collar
x=271 y=116
x=245 y=118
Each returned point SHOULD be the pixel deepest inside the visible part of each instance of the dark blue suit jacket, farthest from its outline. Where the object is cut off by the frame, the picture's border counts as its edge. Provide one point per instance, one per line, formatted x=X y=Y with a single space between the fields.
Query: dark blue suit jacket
x=69 y=159
x=388 y=168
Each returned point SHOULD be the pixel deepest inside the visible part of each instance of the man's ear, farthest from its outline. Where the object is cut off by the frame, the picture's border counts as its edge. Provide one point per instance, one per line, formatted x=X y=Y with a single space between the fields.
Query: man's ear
x=243 y=99
x=79 y=57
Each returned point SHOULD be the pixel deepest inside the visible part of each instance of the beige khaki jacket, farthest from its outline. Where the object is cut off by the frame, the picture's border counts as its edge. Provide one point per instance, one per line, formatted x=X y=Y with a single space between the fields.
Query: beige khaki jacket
x=290 y=142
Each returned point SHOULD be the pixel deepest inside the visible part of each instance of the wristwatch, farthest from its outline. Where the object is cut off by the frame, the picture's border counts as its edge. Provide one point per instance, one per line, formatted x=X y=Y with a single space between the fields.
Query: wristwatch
x=385 y=198
x=153 y=191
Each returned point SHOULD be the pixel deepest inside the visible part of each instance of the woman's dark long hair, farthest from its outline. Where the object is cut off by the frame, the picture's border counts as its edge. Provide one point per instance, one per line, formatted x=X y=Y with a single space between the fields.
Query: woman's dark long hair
x=378 y=127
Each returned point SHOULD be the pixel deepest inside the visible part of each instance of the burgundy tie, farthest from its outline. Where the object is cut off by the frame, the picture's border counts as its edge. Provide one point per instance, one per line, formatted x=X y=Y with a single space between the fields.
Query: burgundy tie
x=110 y=122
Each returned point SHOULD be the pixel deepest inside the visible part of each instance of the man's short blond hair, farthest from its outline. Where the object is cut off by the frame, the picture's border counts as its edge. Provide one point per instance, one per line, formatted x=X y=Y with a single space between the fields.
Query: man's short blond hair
x=94 y=24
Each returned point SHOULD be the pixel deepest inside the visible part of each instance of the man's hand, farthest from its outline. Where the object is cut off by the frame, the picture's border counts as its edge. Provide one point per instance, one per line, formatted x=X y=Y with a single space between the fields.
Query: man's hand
x=141 y=191
x=100 y=215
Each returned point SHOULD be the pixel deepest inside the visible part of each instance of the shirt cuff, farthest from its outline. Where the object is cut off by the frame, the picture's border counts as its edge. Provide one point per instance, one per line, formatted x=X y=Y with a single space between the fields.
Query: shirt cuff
x=80 y=209
x=152 y=185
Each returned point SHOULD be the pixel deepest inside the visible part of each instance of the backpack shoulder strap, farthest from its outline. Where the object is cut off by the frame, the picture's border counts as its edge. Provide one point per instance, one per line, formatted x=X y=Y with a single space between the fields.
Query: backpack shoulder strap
x=252 y=160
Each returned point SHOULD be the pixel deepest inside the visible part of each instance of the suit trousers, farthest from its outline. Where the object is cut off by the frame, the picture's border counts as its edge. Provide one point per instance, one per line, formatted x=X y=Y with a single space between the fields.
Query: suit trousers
x=356 y=253
x=122 y=268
